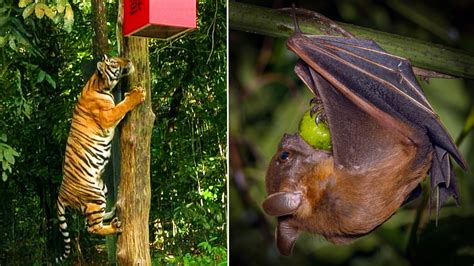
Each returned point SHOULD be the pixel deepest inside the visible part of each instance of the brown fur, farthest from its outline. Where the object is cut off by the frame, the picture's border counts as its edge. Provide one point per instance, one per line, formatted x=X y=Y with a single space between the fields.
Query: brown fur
x=338 y=204
x=355 y=205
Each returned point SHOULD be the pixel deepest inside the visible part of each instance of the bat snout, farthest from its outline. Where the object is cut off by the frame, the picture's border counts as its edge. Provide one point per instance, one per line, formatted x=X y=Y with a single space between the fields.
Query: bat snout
x=282 y=203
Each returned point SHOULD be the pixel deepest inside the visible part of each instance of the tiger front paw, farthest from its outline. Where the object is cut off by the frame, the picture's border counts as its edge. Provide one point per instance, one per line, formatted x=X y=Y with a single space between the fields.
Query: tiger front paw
x=117 y=225
x=136 y=96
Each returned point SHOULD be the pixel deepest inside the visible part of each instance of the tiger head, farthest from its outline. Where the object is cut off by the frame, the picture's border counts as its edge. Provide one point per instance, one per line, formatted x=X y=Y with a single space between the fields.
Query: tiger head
x=112 y=69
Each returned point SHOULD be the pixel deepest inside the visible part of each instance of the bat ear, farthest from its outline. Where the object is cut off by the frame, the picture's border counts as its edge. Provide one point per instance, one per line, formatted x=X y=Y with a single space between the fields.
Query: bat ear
x=286 y=236
x=282 y=203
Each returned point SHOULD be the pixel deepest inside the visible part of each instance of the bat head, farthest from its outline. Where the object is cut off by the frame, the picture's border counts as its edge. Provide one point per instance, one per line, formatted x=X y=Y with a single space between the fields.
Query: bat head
x=293 y=160
x=296 y=180
x=294 y=176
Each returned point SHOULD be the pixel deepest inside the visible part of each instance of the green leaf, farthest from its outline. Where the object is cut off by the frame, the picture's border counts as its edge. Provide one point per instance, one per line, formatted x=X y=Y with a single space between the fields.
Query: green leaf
x=68 y=18
x=19 y=38
x=20 y=26
x=28 y=10
x=3 y=137
x=56 y=19
x=61 y=5
x=4 y=176
x=3 y=41
x=23 y=3
x=14 y=153
x=12 y=44
x=50 y=81
x=18 y=79
x=41 y=76
x=9 y=156
x=31 y=66
x=40 y=9
x=27 y=109
x=50 y=12
x=5 y=165
x=4 y=20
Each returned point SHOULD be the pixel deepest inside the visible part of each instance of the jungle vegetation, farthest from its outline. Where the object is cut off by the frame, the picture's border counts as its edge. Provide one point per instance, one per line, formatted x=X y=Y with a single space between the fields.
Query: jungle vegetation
x=45 y=59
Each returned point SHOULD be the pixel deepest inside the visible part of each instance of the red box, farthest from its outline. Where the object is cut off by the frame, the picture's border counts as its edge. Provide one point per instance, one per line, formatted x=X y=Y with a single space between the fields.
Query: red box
x=158 y=18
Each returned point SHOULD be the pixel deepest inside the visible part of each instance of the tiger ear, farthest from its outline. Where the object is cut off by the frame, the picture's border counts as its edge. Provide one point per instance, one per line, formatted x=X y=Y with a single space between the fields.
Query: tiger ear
x=100 y=67
x=105 y=58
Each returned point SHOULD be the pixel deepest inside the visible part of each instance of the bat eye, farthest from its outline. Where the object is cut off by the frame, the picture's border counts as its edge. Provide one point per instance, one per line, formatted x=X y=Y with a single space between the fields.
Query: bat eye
x=284 y=155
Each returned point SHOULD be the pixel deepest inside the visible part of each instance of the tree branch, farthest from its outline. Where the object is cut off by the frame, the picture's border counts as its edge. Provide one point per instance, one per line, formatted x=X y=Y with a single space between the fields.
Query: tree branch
x=278 y=23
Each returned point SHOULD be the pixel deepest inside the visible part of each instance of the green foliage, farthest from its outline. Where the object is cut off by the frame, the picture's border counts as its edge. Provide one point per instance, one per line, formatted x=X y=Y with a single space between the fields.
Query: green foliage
x=206 y=254
x=13 y=33
x=7 y=156
x=22 y=242
x=58 y=10
x=41 y=74
x=189 y=140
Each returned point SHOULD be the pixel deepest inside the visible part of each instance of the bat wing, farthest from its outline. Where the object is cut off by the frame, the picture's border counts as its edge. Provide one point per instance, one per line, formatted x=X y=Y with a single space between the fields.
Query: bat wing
x=361 y=77
x=364 y=138
x=382 y=79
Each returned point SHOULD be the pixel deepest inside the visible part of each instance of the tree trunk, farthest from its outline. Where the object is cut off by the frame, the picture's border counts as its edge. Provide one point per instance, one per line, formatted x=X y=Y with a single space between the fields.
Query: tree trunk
x=100 y=44
x=134 y=193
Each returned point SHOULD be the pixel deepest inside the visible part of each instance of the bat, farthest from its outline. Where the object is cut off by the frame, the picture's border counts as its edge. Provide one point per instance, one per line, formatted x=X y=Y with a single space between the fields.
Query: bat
x=386 y=137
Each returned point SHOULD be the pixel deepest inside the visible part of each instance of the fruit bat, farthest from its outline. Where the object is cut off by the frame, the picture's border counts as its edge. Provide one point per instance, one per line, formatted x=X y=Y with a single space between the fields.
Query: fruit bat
x=385 y=137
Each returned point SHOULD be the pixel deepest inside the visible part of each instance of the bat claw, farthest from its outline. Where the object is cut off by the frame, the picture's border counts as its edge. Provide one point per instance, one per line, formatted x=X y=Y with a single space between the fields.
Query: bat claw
x=315 y=101
x=318 y=110
x=321 y=117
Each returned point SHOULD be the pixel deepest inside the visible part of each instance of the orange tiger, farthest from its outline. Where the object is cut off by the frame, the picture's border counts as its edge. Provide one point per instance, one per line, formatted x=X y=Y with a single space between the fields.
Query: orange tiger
x=88 y=148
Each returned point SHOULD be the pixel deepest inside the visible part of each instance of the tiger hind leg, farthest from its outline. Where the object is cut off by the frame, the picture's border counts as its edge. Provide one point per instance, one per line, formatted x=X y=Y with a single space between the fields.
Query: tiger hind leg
x=95 y=214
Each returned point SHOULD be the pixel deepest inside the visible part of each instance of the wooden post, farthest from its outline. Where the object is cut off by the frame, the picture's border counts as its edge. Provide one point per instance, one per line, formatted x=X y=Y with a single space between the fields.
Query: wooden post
x=134 y=193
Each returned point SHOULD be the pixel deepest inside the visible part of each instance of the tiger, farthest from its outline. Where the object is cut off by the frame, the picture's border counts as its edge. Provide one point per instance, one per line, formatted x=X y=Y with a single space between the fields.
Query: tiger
x=88 y=148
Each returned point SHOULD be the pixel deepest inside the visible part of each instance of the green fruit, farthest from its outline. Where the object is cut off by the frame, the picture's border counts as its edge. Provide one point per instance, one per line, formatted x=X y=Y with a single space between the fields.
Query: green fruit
x=318 y=136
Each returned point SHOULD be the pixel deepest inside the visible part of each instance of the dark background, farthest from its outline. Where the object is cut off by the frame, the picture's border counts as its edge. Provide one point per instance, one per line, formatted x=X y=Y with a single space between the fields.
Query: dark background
x=266 y=100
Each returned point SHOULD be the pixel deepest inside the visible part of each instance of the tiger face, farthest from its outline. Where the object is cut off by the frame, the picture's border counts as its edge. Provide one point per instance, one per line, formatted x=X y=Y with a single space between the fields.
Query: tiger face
x=112 y=69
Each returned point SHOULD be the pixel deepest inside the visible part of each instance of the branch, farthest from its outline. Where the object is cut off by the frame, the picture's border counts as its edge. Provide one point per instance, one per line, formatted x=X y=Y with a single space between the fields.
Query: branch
x=278 y=23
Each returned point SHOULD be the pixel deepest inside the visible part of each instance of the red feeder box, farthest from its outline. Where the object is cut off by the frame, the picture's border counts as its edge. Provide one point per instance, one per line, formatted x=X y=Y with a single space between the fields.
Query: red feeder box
x=158 y=18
